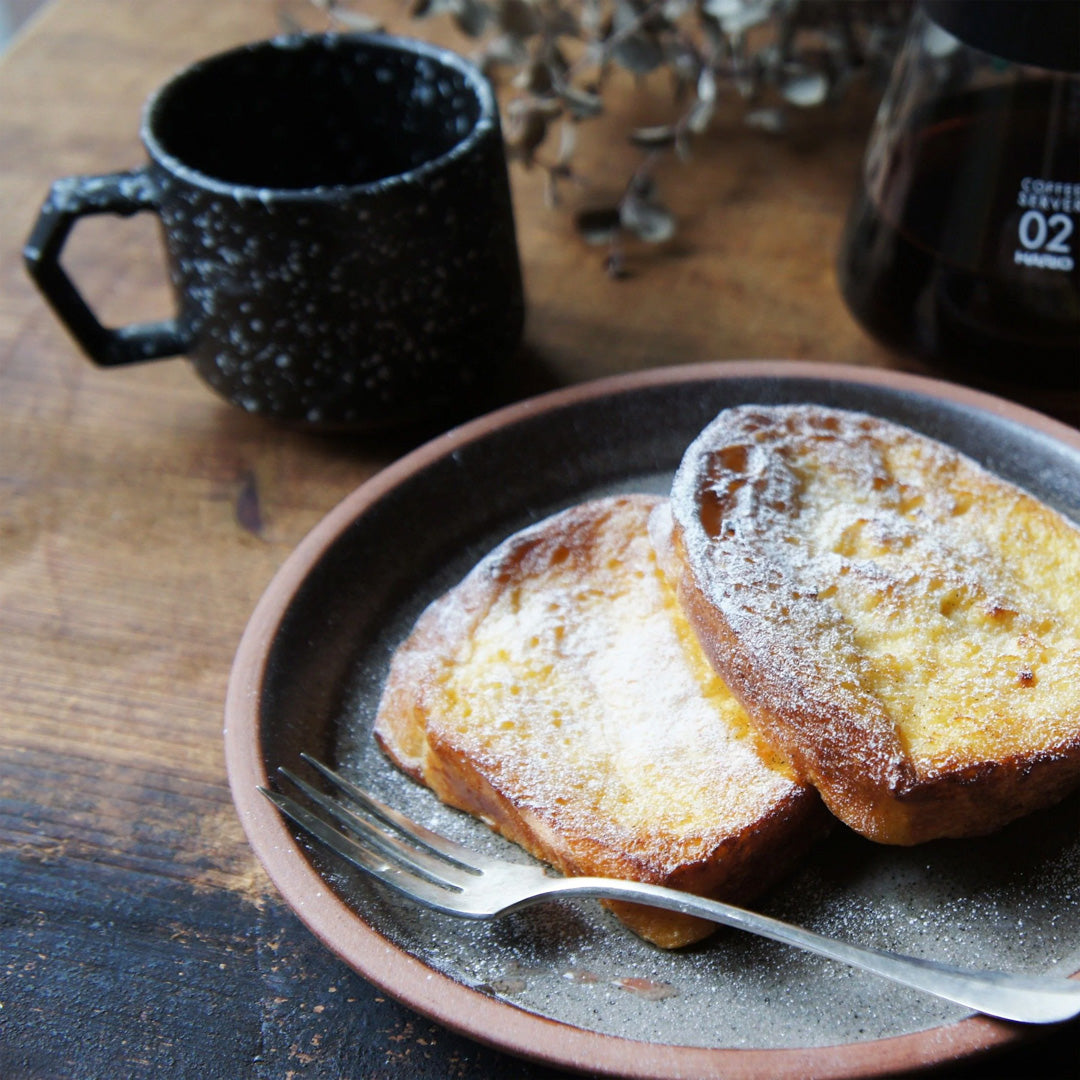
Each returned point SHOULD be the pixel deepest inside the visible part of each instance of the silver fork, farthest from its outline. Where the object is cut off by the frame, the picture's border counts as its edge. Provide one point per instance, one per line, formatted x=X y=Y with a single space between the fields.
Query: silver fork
x=441 y=874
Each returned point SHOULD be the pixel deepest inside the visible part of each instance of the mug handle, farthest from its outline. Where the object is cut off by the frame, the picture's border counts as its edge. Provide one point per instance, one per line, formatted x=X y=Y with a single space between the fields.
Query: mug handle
x=69 y=199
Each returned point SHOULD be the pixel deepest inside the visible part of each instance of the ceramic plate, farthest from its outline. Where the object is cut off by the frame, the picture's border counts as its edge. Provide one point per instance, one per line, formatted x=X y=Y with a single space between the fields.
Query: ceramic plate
x=565 y=983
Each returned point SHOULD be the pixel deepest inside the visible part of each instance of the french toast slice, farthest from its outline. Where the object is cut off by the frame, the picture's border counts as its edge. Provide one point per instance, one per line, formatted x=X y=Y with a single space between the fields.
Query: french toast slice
x=559 y=694
x=901 y=625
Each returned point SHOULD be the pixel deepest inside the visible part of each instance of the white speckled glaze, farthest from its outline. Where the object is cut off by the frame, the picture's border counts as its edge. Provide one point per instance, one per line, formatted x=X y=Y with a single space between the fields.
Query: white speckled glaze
x=337 y=220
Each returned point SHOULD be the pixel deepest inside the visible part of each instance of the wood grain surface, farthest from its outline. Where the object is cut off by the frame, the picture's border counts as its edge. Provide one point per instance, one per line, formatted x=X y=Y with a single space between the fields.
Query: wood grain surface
x=141 y=518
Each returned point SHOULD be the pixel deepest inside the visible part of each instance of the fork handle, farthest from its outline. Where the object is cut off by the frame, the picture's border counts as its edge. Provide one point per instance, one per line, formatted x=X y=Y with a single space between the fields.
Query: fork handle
x=1032 y=999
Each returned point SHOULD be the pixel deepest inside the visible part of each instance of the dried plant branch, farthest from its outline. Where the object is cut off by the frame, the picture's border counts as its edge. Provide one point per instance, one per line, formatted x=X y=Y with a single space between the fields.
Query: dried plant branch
x=773 y=55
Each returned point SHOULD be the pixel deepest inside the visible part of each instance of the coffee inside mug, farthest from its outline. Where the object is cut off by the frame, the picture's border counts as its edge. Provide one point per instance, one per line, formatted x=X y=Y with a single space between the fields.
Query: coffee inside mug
x=296 y=116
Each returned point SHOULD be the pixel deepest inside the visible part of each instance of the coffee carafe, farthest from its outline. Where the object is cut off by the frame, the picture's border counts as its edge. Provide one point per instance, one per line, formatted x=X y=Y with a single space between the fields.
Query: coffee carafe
x=963 y=242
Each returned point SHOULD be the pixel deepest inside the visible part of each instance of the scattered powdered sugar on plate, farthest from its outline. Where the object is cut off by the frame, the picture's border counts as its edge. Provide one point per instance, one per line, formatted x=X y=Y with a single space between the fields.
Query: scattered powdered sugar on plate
x=1009 y=901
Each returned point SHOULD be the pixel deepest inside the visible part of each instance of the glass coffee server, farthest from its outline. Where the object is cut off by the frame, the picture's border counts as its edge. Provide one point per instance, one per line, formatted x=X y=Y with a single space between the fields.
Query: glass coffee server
x=963 y=241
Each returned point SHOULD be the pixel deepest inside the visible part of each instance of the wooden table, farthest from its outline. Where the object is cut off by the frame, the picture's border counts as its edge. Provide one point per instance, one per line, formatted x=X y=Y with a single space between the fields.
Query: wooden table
x=141 y=518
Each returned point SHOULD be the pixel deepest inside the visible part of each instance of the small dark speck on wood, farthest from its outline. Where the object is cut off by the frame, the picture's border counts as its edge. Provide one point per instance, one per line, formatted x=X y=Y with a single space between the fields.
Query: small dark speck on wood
x=248 y=510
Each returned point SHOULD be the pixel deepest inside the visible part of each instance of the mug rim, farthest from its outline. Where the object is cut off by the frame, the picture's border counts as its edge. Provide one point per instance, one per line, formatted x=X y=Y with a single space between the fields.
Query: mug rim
x=486 y=121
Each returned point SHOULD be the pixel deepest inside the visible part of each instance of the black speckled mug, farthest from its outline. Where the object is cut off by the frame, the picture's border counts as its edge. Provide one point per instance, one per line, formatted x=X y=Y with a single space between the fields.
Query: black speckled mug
x=338 y=227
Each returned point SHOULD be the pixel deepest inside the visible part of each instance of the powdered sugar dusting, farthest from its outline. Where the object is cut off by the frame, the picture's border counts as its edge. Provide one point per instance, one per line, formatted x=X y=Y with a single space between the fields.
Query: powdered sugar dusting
x=582 y=694
x=886 y=591
x=734 y=500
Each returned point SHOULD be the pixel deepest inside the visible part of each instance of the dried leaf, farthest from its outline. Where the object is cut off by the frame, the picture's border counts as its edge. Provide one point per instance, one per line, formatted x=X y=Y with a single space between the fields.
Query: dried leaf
x=424 y=9
x=504 y=50
x=472 y=17
x=700 y=116
x=654 y=138
x=548 y=105
x=625 y=16
x=723 y=9
x=599 y=226
x=648 y=220
x=806 y=89
x=567 y=142
x=706 y=85
x=357 y=20
x=582 y=103
x=639 y=52
x=526 y=129
x=674 y=10
x=737 y=16
x=937 y=42
x=535 y=77
x=592 y=17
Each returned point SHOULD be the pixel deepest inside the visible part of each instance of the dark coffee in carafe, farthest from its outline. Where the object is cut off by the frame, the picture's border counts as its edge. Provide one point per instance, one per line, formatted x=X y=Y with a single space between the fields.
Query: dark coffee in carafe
x=963 y=242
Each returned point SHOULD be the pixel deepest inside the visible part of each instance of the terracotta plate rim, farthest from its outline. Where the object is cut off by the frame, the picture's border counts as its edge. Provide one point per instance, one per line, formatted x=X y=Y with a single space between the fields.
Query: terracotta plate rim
x=488 y=1020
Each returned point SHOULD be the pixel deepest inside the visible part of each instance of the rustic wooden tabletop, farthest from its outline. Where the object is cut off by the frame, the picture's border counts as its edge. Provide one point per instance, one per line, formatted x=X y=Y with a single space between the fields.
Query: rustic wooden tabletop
x=141 y=518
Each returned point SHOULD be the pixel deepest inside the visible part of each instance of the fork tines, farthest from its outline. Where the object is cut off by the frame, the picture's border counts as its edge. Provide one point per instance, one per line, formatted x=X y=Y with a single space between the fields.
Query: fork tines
x=424 y=867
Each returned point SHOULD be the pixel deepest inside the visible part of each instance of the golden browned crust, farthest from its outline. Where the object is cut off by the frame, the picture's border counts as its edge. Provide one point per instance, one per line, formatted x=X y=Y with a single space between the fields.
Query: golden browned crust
x=559 y=694
x=902 y=625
